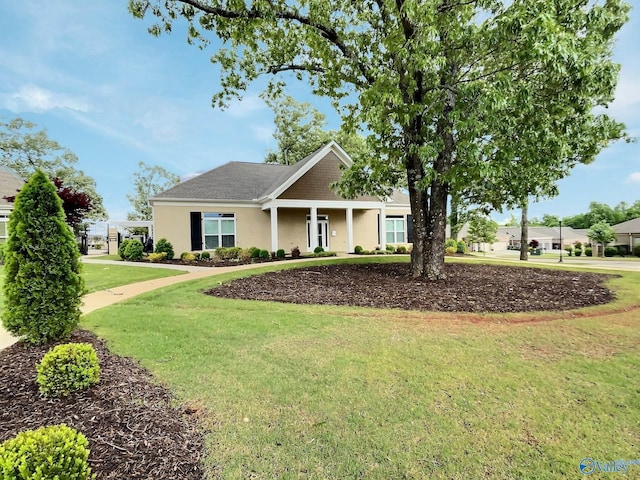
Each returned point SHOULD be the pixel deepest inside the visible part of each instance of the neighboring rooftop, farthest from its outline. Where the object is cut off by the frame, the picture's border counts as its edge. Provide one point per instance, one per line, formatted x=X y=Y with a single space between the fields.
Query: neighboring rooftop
x=10 y=184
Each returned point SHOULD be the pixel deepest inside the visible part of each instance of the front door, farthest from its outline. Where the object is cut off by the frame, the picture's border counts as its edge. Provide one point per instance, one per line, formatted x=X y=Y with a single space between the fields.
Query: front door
x=323 y=232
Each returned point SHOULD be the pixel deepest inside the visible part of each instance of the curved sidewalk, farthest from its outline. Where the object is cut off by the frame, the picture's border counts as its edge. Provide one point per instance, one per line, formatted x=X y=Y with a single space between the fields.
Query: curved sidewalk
x=104 y=298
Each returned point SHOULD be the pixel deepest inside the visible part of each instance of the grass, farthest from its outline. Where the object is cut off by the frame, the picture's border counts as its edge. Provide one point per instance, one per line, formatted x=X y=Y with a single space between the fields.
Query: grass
x=101 y=277
x=298 y=391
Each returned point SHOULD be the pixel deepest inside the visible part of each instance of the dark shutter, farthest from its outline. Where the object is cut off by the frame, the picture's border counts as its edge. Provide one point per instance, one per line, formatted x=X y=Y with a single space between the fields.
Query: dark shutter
x=409 y=229
x=379 y=240
x=196 y=231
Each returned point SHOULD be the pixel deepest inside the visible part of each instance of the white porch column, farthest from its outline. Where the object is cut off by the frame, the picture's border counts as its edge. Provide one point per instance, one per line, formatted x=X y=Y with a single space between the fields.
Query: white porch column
x=313 y=228
x=349 y=230
x=274 y=229
x=383 y=228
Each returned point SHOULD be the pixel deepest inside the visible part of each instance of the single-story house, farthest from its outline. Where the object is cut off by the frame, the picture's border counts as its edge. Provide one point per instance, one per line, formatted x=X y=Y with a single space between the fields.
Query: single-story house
x=10 y=184
x=273 y=206
x=628 y=233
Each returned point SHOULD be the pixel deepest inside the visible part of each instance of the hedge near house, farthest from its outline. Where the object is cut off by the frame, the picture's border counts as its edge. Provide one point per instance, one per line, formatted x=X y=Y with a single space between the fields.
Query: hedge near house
x=43 y=286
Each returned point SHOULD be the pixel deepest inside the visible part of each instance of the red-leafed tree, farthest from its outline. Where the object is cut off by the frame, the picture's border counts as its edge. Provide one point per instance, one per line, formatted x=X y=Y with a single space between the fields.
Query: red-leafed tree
x=76 y=204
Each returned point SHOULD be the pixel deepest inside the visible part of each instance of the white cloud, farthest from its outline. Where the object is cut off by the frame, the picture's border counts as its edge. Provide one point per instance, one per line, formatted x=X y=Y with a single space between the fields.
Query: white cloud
x=32 y=98
x=634 y=177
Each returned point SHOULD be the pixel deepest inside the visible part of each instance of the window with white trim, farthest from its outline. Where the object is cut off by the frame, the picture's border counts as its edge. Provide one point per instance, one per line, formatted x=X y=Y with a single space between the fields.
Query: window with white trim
x=3 y=227
x=396 y=229
x=219 y=230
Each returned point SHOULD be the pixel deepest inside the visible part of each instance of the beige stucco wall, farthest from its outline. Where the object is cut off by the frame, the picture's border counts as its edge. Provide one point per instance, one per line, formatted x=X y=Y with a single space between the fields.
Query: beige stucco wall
x=174 y=224
x=253 y=226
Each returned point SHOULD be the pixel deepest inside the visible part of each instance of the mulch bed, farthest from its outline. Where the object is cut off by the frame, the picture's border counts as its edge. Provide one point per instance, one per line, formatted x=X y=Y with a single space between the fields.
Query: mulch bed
x=133 y=430
x=468 y=288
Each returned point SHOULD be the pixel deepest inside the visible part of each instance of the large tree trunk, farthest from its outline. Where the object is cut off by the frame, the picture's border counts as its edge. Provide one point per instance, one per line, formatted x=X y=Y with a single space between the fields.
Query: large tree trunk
x=524 y=232
x=436 y=232
x=417 y=200
x=454 y=217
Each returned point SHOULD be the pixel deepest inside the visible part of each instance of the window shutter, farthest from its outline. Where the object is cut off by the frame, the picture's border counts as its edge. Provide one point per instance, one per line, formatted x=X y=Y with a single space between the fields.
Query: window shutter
x=379 y=240
x=409 y=229
x=196 y=231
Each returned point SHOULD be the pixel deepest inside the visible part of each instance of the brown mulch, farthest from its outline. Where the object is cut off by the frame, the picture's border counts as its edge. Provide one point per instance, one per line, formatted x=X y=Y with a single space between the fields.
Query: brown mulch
x=134 y=431
x=468 y=288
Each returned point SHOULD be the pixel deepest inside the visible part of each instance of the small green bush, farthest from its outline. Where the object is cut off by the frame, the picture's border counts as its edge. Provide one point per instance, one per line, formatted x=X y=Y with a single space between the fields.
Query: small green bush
x=205 y=256
x=122 y=247
x=163 y=245
x=255 y=252
x=636 y=250
x=450 y=243
x=461 y=247
x=578 y=245
x=264 y=254
x=325 y=254
x=188 y=257
x=68 y=368
x=358 y=250
x=295 y=252
x=133 y=251
x=610 y=251
x=578 y=252
x=318 y=249
x=280 y=253
x=569 y=250
x=450 y=250
x=53 y=452
x=390 y=248
x=157 y=257
x=230 y=253
x=588 y=252
x=401 y=249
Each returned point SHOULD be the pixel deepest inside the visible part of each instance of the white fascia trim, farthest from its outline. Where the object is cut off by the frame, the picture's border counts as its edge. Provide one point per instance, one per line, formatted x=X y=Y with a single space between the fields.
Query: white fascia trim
x=326 y=204
x=203 y=203
x=332 y=146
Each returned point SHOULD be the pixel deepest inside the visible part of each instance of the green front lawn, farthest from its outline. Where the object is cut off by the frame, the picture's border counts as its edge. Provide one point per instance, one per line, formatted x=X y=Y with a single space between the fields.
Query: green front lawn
x=101 y=277
x=298 y=391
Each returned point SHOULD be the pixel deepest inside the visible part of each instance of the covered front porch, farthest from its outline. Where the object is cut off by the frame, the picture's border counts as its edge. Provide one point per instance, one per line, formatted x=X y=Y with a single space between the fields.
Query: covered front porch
x=332 y=225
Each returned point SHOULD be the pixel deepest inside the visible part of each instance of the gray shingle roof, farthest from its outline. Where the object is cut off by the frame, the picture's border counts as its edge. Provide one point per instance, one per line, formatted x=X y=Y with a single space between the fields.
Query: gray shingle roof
x=231 y=181
x=630 y=226
x=236 y=181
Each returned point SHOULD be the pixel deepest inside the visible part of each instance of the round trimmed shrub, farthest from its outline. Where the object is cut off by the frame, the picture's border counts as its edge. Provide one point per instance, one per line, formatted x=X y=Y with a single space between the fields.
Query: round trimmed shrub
x=122 y=247
x=157 y=257
x=461 y=247
x=163 y=245
x=358 y=250
x=264 y=254
x=318 y=249
x=68 y=368
x=205 y=256
x=636 y=250
x=577 y=252
x=450 y=250
x=53 y=452
x=133 y=250
x=255 y=252
x=280 y=253
x=610 y=251
x=588 y=252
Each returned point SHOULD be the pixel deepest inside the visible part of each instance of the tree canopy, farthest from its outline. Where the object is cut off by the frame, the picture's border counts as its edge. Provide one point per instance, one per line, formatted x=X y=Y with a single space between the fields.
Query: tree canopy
x=25 y=149
x=301 y=129
x=456 y=97
x=148 y=181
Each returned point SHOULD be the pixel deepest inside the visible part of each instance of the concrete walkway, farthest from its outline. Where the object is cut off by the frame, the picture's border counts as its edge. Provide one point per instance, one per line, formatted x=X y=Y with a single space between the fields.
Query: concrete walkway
x=104 y=298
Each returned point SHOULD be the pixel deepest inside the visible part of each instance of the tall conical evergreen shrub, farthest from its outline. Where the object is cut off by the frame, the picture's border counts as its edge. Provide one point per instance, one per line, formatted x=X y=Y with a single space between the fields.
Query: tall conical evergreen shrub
x=43 y=286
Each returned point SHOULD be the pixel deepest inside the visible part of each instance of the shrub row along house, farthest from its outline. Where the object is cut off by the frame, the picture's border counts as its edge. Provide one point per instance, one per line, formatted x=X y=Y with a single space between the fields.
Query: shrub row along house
x=279 y=206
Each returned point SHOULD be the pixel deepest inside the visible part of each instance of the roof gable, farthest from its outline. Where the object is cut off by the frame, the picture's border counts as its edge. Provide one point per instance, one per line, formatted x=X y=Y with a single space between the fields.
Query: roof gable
x=10 y=184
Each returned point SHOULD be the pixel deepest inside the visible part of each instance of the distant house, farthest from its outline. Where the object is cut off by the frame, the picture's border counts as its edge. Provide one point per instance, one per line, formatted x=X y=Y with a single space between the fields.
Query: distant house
x=10 y=184
x=548 y=238
x=628 y=233
x=278 y=206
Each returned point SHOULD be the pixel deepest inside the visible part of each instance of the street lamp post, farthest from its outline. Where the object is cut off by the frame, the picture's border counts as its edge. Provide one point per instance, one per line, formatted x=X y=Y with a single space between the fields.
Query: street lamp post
x=560 y=223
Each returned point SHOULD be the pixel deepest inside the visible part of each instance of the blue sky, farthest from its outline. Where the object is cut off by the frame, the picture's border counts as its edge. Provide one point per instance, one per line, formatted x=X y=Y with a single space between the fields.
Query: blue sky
x=103 y=87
